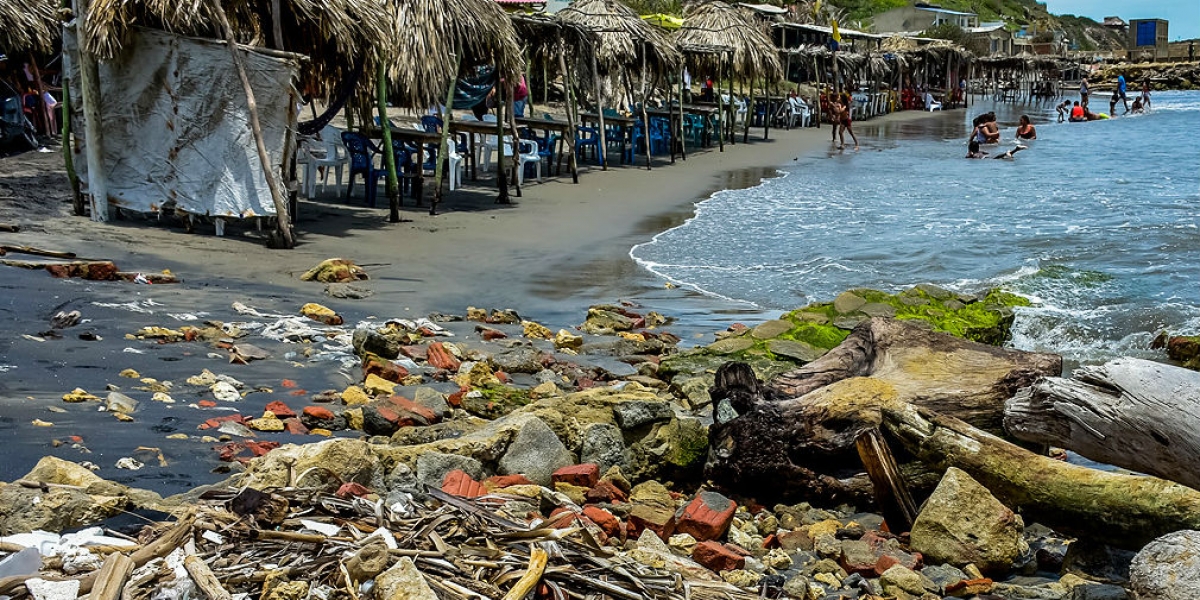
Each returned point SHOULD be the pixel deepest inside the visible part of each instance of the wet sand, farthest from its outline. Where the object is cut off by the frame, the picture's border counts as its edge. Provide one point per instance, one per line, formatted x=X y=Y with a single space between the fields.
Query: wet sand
x=553 y=252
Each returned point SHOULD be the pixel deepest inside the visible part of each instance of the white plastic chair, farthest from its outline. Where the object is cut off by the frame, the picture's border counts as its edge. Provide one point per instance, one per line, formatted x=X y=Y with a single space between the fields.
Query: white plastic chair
x=798 y=110
x=931 y=104
x=456 y=168
x=484 y=150
x=528 y=153
x=324 y=150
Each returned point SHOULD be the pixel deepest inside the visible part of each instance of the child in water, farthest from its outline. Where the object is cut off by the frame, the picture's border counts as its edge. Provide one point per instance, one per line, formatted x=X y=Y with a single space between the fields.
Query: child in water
x=973 y=151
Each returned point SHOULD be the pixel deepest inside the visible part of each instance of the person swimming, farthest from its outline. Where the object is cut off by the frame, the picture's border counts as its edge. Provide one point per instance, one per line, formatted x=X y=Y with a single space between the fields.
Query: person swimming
x=973 y=151
x=1138 y=107
x=1026 y=130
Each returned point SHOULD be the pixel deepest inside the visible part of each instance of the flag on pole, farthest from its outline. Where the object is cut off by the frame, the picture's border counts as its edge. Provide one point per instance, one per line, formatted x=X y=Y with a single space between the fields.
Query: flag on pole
x=837 y=35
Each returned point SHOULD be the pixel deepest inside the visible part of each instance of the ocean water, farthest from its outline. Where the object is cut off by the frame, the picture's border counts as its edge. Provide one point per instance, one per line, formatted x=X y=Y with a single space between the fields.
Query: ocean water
x=1098 y=223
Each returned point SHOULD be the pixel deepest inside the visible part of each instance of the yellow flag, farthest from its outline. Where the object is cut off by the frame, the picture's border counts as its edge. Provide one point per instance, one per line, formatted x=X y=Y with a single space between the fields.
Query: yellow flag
x=837 y=35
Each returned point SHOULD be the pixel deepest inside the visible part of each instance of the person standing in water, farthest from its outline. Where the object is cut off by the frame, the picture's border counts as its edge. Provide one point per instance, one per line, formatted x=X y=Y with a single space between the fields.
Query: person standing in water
x=1146 y=94
x=846 y=123
x=1121 y=91
x=1026 y=130
x=1083 y=92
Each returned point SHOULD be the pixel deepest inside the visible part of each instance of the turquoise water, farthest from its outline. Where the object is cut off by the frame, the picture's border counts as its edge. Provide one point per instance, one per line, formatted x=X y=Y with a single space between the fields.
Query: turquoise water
x=1096 y=222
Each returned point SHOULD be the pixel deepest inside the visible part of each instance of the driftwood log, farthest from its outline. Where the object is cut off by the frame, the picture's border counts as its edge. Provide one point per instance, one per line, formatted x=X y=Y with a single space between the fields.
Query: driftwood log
x=796 y=438
x=1129 y=412
x=1126 y=511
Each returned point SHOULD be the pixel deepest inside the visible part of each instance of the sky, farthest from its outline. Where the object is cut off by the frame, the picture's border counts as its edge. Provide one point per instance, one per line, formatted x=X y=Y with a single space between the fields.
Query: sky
x=1184 y=15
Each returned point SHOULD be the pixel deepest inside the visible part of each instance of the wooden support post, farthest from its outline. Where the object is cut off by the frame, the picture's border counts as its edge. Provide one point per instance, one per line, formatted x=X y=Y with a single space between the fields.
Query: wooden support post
x=281 y=211
x=820 y=91
x=389 y=153
x=444 y=146
x=768 y=114
x=501 y=179
x=721 y=120
x=205 y=579
x=682 y=140
x=732 y=110
x=891 y=492
x=572 y=113
x=600 y=115
x=646 y=117
x=89 y=86
x=510 y=93
x=68 y=149
x=112 y=577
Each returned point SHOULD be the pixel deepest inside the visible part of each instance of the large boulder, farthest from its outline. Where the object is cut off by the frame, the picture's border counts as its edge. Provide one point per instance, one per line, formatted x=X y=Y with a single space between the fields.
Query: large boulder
x=88 y=500
x=536 y=453
x=432 y=467
x=962 y=523
x=1167 y=568
x=603 y=444
x=336 y=460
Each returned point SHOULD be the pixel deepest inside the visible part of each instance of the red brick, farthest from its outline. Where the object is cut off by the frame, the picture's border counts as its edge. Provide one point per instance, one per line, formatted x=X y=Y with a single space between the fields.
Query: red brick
x=295 y=427
x=383 y=368
x=603 y=519
x=969 y=587
x=502 y=377
x=659 y=520
x=456 y=398
x=418 y=410
x=458 y=483
x=585 y=475
x=561 y=518
x=281 y=410
x=490 y=333
x=207 y=403
x=319 y=412
x=414 y=352
x=707 y=516
x=215 y=422
x=605 y=491
x=352 y=489
x=260 y=448
x=716 y=557
x=771 y=541
x=503 y=481
x=892 y=558
x=439 y=357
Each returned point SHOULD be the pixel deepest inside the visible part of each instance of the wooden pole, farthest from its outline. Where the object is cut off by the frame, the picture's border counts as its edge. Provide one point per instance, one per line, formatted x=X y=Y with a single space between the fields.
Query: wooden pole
x=645 y=117
x=820 y=91
x=444 y=146
x=682 y=141
x=732 y=110
x=277 y=24
x=721 y=120
x=110 y=580
x=68 y=148
x=389 y=153
x=281 y=210
x=89 y=86
x=767 y=114
x=501 y=179
x=600 y=115
x=891 y=492
x=569 y=138
x=510 y=93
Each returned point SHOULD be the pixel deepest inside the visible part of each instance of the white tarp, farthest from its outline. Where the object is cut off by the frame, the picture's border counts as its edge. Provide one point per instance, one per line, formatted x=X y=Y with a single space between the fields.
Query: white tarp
x=176 y=126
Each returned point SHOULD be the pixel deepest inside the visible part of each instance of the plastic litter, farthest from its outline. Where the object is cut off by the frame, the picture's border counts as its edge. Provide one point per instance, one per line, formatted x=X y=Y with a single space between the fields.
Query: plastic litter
x=41 y=589
x=130 y=463
x=25 y=562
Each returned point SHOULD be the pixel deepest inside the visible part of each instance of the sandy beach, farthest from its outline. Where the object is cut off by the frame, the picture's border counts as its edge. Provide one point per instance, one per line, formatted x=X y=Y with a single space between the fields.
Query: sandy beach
x=555 y=251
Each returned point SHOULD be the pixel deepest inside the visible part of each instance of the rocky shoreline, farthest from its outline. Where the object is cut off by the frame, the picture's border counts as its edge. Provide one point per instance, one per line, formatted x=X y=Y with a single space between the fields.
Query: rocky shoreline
x=1162 y=76
x=611 y=435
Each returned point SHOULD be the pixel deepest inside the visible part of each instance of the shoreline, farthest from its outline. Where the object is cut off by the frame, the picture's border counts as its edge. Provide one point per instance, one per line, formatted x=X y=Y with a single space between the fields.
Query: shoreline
x=561 y=249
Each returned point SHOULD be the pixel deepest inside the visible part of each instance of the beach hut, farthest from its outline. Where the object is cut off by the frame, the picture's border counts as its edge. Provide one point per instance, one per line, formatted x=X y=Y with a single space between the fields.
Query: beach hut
x=621 y=41
x=748 y=50
x=26 y=29
x=196 y=74
x=430 y=45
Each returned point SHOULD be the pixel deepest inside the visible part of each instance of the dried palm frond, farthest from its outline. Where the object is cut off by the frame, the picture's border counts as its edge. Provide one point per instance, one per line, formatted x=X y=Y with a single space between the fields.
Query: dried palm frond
x=27 y=25
x=620 y=36
x=720 y=25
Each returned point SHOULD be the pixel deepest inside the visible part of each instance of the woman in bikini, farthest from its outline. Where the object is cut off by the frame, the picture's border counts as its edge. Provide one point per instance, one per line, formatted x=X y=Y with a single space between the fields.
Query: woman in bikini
x=1025 y=129
x=846 y=123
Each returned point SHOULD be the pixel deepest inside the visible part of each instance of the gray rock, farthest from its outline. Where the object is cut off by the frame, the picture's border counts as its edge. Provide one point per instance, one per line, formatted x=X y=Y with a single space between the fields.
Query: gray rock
x=433 y=400
x=631 y=415
x=730 y=345
x=901 y=578
x=1024 y=592
x=795 y=350
x=602 y=444
x=796 y=587
x=547 y=375
x=521 y=359
x=944 y=575
x=1167 y=568
x=367 y=340
x=878 y=309
x=771 y=329
x=433 y=466
x=1099 y=591
x=535 y=453
x=848 y=322
x=963 y=523
x=118 y=402
x=347 y=291
x=695 y=389
x=848 y=302
x=724 y=412
x=934 y=291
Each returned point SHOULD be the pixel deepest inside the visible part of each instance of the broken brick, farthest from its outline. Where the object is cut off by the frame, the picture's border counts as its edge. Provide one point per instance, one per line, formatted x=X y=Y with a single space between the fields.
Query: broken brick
x=281 y=410
x=707 y=516
x=439 y=357
x=716 y=557
x=459 y=483
x=584 y=475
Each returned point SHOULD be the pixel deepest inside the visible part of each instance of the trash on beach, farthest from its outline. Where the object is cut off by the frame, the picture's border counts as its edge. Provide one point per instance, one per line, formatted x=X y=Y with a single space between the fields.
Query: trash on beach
x=130 y=463
x=79 y=395
x=244 y=353
x=63 y=320
x=225 y=392
x=335 y=270
x=67 y=265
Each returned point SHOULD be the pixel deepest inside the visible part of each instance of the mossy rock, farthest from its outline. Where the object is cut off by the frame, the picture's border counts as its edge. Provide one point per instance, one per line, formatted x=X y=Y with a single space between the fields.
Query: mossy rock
x=496 y=401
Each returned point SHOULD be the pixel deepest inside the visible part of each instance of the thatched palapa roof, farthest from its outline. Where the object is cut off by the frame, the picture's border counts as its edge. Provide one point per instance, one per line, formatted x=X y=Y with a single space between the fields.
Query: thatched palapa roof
x=620 y=36
x=426 y=35
x=335 y=34
x=720 y=25
x=29 y=25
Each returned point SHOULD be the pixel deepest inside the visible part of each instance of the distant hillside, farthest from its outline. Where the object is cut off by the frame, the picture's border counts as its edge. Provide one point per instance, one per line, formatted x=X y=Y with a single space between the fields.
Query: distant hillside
x=1089 y=35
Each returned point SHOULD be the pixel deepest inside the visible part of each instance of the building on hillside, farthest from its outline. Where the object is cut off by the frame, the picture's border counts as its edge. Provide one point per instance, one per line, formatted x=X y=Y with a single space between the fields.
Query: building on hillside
x=993 y=37
x=1115 y=23
x=920 y=17
x=1148 y=38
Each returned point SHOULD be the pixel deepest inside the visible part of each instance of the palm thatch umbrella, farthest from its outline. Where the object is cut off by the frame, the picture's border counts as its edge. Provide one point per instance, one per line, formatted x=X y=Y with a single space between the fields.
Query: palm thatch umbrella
x=716 y=24
x=620 y=41
x=27 y=26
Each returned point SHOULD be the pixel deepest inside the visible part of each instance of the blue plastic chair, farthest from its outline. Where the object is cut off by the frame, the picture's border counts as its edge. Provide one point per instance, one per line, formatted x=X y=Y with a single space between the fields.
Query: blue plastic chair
x=403 y=161
x=362 y=159
x=589 y=138
x=431 y=123
x=547 y=149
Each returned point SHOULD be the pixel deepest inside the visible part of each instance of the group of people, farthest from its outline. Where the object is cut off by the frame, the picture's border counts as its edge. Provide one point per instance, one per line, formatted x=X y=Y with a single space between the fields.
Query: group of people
x=1078 y=112
x=842 y=117
x=987 y=131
